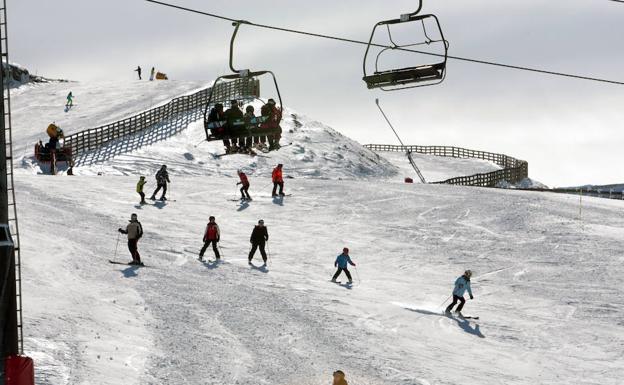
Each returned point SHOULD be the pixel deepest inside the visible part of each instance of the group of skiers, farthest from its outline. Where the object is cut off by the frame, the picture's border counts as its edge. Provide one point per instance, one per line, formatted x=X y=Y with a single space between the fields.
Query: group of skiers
x=276 y=177
x=212 y=236
x=260 y=236
x=162 y=178
x=243 y=131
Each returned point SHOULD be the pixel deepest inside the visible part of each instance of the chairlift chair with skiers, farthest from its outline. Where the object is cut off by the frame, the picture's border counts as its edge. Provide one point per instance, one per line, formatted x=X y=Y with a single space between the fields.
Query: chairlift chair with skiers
x=266 y=125
x=386 y=76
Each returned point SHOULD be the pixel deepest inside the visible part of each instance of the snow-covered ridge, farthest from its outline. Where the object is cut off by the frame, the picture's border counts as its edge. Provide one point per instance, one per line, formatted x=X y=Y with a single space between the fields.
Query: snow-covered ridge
x=17 y=75
x=311 y=149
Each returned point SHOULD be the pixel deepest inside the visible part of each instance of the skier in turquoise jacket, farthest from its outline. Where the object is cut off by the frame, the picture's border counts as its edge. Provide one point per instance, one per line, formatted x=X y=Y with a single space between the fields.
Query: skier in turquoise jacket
x=342 y=262
x=462 y=284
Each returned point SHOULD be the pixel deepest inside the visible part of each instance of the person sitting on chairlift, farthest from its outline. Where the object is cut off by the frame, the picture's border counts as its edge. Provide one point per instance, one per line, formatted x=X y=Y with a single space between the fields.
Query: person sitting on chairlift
x=231 y=115
x=274 y=116
x=250 y=123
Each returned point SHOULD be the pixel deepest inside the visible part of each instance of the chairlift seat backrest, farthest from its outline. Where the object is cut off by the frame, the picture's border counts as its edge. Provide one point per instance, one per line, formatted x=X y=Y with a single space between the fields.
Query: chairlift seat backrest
x=423 y=74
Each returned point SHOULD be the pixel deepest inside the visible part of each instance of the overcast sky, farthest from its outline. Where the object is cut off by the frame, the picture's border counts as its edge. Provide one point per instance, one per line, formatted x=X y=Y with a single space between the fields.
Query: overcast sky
x=570 y=131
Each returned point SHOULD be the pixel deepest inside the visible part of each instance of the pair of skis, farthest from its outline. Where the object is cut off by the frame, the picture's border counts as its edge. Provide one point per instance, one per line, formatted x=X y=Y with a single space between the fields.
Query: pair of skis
x=127 y=263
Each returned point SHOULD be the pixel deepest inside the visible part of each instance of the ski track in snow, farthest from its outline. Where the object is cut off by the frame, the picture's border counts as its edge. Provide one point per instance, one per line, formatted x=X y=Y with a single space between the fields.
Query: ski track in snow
x=547 y=287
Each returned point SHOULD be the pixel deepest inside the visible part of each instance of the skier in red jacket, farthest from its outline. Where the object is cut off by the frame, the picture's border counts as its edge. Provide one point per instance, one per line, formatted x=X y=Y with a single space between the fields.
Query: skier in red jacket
x=212 y=235
x=278 y=180
x=245 y=182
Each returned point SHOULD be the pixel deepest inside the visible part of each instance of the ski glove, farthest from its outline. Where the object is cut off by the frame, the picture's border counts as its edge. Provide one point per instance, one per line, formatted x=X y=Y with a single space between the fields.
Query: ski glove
x=471 y=297
x=120 y=230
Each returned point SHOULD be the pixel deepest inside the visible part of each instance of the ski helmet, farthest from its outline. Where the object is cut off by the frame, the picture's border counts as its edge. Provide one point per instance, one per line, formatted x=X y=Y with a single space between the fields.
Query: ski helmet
x=261 y=222
x=249 y=108
x=164 y=166
x=133 y=217
x=211 y=218
x=468 y=273
x=271 y=102
x=142 y=177
x=345 y=250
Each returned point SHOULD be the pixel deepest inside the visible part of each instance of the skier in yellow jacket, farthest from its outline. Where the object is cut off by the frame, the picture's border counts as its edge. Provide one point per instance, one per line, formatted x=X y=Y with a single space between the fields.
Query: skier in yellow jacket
x=139 y=189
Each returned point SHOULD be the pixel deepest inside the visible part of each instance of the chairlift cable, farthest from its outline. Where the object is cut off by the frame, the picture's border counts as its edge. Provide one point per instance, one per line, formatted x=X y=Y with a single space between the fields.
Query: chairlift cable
x=347 y=40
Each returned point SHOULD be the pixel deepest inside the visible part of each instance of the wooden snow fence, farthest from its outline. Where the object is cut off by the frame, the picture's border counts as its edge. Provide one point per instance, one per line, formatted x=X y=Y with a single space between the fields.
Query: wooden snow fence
x=513 y=170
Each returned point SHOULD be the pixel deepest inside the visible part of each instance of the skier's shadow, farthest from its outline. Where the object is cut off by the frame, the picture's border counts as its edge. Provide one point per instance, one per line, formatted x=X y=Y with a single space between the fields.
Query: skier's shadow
x=278 y=200
x=130 y=272
x=243 y=206
x=210 y=265
x=262 y=268
x=462 y=323
x=348 y=286
x=160 y=204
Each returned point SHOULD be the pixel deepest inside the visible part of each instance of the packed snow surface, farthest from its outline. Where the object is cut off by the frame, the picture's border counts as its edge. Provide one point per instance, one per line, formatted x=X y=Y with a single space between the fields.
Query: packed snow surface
x=546 y=285
x=547 y=282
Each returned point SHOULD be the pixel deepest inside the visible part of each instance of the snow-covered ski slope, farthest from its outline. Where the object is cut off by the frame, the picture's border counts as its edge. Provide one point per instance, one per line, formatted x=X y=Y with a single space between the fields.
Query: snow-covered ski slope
x=547 y=285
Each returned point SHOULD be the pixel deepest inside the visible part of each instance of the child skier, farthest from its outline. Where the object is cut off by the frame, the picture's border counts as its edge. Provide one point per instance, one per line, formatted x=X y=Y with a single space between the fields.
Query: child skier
x=211 y=235
x=245 y=188
x=259 y=236
x=139 y=189
x=135 y=232
x=461 y=285
x=342 y=262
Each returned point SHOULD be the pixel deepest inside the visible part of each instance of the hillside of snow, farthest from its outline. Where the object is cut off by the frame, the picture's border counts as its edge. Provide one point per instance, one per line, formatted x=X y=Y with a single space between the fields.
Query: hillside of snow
x=310 y=148
x=546 y=285
x=546 y=281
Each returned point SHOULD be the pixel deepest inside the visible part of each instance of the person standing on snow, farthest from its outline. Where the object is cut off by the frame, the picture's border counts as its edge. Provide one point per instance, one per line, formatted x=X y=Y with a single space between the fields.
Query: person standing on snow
x=259 y=236
x=278 y=180
x=245 y=182
x=162 y=178
x=339 y=378
x=138 y=70
x=152 y=72
x=211 y=235
x=70 y=100
x=139 y=189
x=461 y=285
x=342 y=262
x=135 y=232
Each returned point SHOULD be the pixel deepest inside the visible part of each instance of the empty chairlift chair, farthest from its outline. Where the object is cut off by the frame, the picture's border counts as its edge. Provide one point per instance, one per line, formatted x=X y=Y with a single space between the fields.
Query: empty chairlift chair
x=400 y=61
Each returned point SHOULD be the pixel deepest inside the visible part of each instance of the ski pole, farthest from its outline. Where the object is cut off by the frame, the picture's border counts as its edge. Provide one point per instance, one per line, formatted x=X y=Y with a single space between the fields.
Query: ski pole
x=357 y=274
x=268 y=251
x=449 y=297
x=220 y=249
x=117 y=244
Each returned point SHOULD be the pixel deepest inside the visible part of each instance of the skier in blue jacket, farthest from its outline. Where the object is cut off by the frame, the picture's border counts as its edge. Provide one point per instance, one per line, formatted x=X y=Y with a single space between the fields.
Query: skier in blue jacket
x=461 y=285
x=342 y=262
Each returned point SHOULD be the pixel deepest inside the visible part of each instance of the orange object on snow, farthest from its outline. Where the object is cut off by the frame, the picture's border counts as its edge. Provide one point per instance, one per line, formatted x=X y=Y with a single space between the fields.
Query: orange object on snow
x=52 y=130
x=339 y=378
x=161 y=76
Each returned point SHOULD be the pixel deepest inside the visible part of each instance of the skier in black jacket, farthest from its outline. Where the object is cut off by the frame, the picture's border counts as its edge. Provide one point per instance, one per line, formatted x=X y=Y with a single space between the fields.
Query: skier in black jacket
x=259 y=236
x=162 y=178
